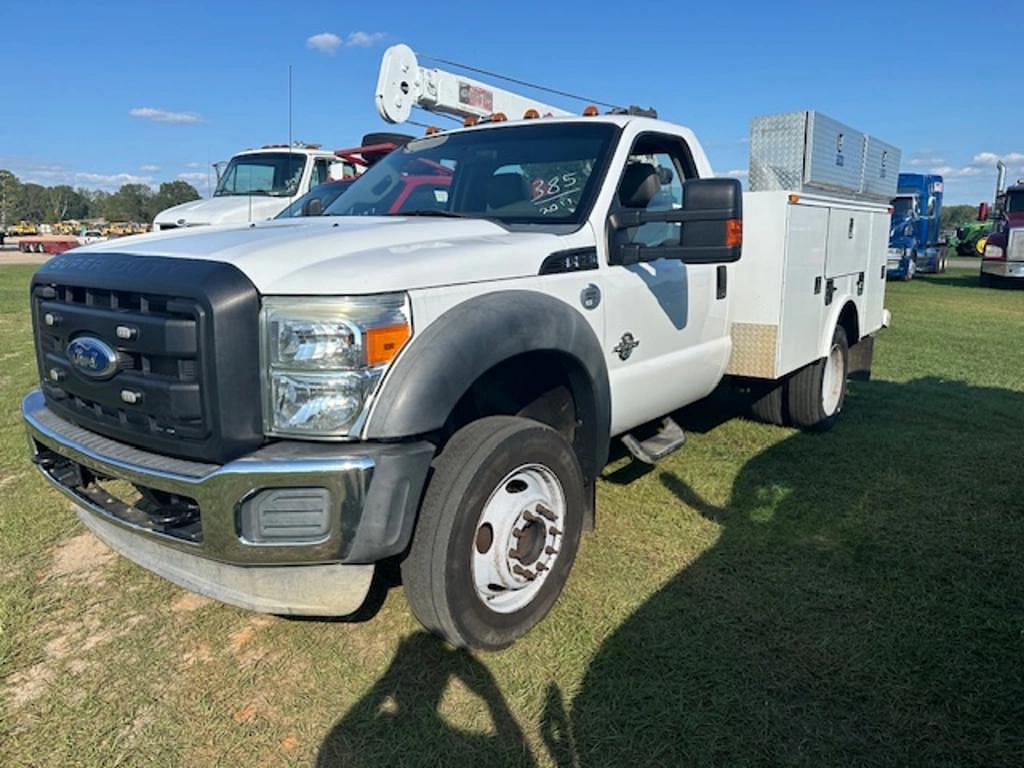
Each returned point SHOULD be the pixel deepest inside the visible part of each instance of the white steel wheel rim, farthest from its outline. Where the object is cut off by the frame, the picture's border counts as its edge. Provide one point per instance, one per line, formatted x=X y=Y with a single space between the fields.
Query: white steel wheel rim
x=832 y=380
x=518 y=538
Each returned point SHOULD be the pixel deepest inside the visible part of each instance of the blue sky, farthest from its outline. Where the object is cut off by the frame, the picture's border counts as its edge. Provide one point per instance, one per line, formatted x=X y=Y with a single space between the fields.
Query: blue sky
x=98 y=93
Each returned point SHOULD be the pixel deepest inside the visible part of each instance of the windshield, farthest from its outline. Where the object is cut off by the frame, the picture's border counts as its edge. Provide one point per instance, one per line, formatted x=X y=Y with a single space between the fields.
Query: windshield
x=902 y=207
x=523 y=174
x=327 y=194
x=1015 y=202
x=276 y=174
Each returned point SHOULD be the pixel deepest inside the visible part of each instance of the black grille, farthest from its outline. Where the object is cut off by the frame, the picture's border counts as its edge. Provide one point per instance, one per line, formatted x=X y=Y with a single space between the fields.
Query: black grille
x=185 y=337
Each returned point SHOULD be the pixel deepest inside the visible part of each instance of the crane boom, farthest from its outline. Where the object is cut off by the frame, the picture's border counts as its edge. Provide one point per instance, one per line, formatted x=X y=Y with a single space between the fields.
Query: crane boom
x=404 y=84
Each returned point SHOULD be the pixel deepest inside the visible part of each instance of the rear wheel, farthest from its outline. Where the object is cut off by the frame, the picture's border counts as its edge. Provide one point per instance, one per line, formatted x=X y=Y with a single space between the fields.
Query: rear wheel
x=816 y=392
x=767 y=404
x=497 y=534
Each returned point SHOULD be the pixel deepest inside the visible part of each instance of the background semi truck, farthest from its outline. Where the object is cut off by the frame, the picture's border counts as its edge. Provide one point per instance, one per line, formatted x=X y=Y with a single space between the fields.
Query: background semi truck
x=297 y=401
x=914 y=240
x=1003 y=258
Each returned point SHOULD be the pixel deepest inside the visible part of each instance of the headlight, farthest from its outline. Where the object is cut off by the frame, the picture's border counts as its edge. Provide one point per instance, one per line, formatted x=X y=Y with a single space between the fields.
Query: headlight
x=993 y=252
x=323 y=358
x=895 y=253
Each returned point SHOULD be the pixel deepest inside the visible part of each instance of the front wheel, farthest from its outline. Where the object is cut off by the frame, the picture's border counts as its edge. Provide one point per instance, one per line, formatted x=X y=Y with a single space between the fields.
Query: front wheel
x=816 y=392
x=497 y=533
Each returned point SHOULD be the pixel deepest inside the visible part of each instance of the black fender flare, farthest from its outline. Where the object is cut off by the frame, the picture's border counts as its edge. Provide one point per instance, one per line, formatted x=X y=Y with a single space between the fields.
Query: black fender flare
x=443 y=362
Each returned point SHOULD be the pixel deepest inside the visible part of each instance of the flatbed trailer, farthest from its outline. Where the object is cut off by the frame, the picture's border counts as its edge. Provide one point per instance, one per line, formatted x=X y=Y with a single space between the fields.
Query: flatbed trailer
x=51 y=244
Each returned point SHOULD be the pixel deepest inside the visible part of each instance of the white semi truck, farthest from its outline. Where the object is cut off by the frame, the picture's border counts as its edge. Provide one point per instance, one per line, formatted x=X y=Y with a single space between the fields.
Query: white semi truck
x=258 y=184
x=296 y=401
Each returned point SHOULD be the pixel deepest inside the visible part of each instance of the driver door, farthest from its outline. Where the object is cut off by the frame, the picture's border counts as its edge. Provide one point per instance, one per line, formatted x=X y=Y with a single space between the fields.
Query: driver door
x=666 y=325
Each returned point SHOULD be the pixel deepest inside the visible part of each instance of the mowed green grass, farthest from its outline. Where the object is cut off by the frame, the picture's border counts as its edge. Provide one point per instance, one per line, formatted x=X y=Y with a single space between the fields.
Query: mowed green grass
x=763 y=597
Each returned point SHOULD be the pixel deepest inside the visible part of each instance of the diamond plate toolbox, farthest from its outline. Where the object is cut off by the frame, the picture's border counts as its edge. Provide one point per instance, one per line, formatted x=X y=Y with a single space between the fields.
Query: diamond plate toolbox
x=810 y=152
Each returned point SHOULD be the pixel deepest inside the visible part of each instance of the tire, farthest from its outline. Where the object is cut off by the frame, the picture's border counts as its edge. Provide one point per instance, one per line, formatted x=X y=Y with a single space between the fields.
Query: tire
x=768 y=404
x=985 y=280
x=810 y=405
x=455 y=586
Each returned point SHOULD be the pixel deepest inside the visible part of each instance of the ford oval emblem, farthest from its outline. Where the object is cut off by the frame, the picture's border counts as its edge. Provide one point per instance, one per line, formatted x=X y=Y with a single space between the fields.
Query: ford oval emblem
x=92 y=357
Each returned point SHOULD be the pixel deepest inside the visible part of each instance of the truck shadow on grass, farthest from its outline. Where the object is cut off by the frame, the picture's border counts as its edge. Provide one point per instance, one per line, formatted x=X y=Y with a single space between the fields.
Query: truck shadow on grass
x=398 y=722
x=862 y=606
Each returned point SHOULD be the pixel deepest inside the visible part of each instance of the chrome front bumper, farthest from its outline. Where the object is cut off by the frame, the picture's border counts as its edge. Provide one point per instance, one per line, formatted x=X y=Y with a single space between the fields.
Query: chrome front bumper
x=995 y=268
x=320 y=578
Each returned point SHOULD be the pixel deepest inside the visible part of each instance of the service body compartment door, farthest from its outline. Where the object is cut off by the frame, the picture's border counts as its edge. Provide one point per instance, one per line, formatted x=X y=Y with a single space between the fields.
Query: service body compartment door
x=873 y=304
x=849 y=239
x=803 y=301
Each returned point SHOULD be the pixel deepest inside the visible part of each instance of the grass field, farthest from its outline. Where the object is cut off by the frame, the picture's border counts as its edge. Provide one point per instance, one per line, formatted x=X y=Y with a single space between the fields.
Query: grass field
x=763 y=597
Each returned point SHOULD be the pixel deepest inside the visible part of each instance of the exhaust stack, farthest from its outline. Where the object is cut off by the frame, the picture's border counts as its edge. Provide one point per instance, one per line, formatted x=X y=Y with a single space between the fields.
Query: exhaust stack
x=1000 y=178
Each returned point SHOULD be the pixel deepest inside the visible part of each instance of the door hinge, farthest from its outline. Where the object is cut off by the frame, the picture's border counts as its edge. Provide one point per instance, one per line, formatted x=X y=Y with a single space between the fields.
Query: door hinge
x=860 y=284
x=830 y=289
x=723 y=282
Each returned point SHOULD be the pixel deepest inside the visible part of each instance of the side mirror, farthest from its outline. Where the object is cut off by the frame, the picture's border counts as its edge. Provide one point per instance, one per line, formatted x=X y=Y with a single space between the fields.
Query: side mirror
x=983 y=212
x=711 y=230
x=313 y=207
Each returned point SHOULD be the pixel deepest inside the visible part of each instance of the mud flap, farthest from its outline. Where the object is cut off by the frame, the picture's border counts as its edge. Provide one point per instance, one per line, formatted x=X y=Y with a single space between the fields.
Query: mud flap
x=860 y=357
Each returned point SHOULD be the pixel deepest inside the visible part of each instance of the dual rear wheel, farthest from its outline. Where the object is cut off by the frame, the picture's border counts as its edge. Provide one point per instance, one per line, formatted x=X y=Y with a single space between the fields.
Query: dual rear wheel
x=812 y=397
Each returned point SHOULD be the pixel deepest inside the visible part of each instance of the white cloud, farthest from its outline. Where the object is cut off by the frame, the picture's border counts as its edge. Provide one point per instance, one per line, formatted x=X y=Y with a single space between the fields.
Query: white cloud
x=738 y=173
x=111 y=180
x=328 y=42
x=325 y=42
x=952 y=172
x=193 y=165
x=147 y=168
x=163 y=116
x=363 y=39
x=991 y=158
x=925 y=159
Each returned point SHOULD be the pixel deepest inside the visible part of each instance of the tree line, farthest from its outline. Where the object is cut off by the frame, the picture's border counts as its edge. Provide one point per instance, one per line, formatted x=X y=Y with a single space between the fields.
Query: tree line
x=954 y=216
x=48 y=205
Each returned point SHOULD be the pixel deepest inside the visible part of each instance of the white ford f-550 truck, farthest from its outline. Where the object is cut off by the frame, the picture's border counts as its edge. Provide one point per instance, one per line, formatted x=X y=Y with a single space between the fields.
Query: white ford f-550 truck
x=294 y=401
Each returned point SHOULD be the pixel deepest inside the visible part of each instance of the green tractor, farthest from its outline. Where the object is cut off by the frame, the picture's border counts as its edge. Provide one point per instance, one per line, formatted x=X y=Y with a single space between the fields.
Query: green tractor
x=970 y=238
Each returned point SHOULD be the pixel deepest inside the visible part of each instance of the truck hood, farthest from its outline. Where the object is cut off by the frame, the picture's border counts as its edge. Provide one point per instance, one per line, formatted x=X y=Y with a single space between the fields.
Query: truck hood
x=234 y=209
x=354 y=254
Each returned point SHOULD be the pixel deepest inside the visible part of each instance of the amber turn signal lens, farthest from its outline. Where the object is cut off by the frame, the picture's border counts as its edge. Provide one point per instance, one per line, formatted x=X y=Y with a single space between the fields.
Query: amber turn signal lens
x=590 y=111
x=499 y=117
x=469 y=121
x=734 y=233
x=531 y=114
x=383 y=344
x=432 y=129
